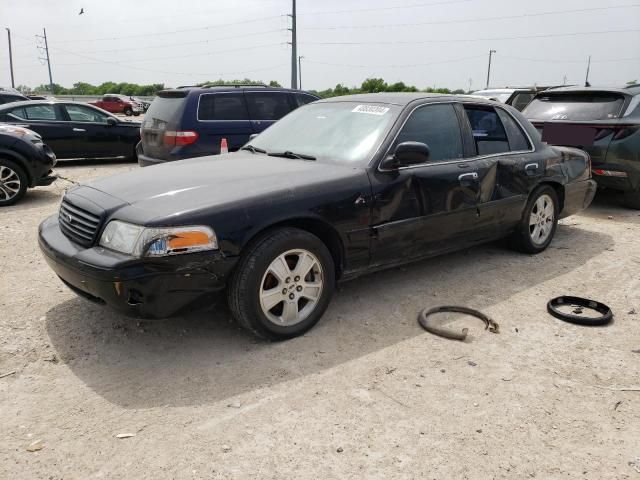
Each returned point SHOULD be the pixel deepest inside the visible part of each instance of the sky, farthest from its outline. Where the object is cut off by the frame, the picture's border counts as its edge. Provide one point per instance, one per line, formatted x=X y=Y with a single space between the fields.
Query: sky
x=425 y=43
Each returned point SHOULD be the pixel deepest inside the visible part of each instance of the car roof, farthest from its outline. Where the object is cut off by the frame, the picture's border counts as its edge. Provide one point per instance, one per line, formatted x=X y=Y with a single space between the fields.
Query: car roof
x=403 y=98
x=233 y=88
x=25 y=103
x=633 y=90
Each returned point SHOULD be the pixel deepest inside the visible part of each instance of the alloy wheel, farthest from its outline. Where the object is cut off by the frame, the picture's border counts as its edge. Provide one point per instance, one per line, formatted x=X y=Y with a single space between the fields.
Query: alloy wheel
x=9 y=183
x=541 y=219
x=291 y=287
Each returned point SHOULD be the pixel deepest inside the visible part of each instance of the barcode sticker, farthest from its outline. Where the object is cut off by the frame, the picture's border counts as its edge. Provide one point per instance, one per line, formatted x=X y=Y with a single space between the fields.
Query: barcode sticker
x=371 y=109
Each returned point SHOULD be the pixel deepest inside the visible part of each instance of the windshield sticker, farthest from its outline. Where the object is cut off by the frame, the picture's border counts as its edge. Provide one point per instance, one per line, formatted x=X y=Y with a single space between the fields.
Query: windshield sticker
x=371 y=109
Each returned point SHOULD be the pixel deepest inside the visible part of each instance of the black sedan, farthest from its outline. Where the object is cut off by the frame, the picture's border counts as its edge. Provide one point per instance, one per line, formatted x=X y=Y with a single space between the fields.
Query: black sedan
x=336 y=189
x=75 y=130
x=25 y=162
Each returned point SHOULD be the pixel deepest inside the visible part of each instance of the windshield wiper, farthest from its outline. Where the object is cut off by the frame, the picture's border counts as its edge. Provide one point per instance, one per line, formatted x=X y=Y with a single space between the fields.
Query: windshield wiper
x=253 y=149
x=290 y=154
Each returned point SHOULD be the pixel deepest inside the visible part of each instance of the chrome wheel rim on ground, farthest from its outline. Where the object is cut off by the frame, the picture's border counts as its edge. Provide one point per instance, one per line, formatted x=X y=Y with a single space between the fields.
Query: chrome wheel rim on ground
x=541 y=219
x=291 y=287
x=9 y=183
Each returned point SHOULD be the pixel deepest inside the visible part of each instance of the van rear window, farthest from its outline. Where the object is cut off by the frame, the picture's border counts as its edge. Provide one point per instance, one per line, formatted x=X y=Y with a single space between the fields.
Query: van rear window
x=575 y=106
x=165 y=108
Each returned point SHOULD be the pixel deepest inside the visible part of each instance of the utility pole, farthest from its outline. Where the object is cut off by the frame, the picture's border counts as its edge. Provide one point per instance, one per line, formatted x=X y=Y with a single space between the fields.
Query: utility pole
x=48 y=58
x=586 y=80
x=491 y=52
x=564 y=80
x=300 y=71
x=294 y=48
x=470 y=82
x=13 y=83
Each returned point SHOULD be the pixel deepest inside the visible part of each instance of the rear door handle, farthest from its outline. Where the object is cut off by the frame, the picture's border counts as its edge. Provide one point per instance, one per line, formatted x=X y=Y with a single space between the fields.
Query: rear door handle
x=531 y=168
x=79 y=130
x=466 y=177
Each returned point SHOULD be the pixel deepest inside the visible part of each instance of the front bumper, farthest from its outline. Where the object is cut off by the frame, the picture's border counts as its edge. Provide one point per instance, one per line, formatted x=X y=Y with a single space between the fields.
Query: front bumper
x=578 y=196
x=148 y=288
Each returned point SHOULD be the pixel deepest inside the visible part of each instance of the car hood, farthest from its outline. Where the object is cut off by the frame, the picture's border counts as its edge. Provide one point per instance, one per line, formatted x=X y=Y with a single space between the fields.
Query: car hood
x=175 y=188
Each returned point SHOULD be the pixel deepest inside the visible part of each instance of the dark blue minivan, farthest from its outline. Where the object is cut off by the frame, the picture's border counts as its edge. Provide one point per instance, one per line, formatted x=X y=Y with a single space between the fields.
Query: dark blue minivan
x=195 y=121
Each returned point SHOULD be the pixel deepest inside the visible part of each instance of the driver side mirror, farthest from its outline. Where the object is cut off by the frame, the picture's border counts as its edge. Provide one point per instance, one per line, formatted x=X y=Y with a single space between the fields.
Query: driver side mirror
x=406 y=154
x=111 y=121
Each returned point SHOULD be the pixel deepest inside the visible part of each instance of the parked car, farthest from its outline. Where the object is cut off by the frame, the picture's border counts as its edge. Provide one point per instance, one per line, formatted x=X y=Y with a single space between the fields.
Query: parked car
x=41 y=97
x=75 y=130
x=335 y=189
x=25 y=162
x=518 y=97
x=8 y=96
x=114 y=103
x=192 y=121
x=143 y=104
x=605 y=122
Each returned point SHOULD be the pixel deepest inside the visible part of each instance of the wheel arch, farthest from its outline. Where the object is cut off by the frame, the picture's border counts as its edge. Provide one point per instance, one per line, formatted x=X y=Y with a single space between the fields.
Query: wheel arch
x=20 y=160
x=559 y=189
x=316 y=226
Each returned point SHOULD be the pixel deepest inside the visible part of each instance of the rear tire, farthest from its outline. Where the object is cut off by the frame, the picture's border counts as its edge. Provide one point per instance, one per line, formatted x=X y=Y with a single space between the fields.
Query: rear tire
x=632 y=200
x=539 y=221
x=128 y=111
x=13 y=182
x=283 y=284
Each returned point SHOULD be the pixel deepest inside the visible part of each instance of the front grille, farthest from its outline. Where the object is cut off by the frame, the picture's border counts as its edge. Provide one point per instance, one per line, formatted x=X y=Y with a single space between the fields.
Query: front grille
x=78 y=224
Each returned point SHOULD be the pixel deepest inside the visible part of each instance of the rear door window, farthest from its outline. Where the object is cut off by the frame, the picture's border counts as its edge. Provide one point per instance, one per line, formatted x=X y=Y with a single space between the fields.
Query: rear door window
x=438 y=127
x=518 y=141
x=576 y=106
x=489 y=134
x=267 y=105
x=222 y=106
x=37 y=112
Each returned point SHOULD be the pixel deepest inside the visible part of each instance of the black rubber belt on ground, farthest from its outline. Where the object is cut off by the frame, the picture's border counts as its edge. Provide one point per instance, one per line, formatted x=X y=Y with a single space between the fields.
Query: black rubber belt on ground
x=423 y=320
x=604 y=310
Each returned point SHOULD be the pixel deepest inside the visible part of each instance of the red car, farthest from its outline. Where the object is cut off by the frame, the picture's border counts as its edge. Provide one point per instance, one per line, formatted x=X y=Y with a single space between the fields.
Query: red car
x=118 y=104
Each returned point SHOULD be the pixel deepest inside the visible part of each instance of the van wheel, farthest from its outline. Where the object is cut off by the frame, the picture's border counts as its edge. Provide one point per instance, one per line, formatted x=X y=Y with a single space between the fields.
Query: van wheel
x=539 y=221
x=13 y=182
x=632 y=200
x=283 y=284
x=128 y=111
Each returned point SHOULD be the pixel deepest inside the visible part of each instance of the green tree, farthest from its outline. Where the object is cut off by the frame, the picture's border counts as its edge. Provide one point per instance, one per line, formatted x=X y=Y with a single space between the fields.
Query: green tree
x=374 y=85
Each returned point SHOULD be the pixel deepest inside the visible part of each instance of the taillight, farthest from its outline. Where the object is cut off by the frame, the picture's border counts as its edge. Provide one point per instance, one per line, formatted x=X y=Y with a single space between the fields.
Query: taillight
x=609 y=173
x=180 y=138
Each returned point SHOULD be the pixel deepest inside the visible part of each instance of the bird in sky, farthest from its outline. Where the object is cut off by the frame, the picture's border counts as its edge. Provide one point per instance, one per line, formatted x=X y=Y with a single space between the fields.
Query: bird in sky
x=81 y=11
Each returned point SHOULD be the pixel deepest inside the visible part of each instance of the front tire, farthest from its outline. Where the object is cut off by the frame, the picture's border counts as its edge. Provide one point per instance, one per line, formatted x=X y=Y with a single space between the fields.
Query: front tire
x=128 y=111
x=539 y=221
x=13 y=182
x=283 y=284
x=632 y=200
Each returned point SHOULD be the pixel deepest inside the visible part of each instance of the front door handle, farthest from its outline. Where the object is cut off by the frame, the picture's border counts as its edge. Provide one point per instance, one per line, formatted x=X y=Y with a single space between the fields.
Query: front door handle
x=79 y=130
x=466 y=177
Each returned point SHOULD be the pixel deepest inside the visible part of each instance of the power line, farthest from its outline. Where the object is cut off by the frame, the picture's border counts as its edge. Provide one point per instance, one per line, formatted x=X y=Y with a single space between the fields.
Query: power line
x=396 y=7
x=196 y=42
x=406 y=65
x=543 y=60
x=141 y=35
x=421 y=42
x=473 y=20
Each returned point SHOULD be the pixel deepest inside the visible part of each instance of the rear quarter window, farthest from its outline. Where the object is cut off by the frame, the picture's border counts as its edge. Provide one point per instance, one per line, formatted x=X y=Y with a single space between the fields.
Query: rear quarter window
x=578 y=107
x=222 y=106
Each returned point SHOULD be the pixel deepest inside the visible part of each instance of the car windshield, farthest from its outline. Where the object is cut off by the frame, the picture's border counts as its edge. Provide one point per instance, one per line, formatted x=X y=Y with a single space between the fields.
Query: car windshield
x=340 y=132
x=494 y=94
x=575 y=106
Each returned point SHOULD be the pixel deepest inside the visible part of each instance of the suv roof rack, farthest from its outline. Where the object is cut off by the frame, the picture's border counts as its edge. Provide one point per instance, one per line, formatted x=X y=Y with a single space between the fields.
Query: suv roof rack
x=230 y=85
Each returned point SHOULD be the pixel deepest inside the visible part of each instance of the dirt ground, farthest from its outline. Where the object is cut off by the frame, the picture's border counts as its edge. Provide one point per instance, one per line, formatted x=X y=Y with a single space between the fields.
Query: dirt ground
x=365 y=394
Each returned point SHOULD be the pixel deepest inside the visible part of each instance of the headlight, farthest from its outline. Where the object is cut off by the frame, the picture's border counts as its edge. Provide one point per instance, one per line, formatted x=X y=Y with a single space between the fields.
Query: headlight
x=153 y=242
